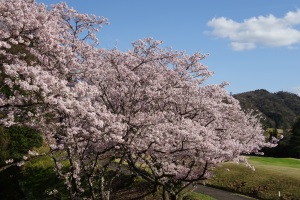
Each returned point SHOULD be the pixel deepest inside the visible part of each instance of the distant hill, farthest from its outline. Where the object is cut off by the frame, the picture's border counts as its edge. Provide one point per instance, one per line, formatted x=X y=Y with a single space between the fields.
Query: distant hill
x=279 y=109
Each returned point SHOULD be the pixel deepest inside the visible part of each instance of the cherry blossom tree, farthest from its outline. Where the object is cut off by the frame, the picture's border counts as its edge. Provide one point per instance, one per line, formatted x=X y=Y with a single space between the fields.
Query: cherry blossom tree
x=43 y=55
x=148 y=106
x=177 y=129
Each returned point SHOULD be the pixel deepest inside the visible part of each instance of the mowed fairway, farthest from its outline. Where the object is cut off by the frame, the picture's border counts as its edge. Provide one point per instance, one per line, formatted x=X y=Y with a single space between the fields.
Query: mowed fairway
x=289 y=167
x=272 y=176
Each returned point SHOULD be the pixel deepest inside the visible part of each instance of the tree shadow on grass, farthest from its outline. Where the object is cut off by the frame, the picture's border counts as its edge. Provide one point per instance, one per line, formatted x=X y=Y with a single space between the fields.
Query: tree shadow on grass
x=9 y=184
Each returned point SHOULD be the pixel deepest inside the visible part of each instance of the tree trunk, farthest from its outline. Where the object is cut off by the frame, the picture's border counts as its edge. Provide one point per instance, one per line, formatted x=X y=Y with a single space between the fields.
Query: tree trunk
x=165 y=194
x=105 y=191
x=168 y=196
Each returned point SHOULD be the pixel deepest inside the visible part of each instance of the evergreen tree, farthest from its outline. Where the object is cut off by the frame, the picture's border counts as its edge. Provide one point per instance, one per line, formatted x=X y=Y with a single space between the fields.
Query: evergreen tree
x=295 y=139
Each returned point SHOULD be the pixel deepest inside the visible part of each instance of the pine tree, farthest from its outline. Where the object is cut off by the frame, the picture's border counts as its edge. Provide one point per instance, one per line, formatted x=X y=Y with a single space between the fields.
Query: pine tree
x=295 y=139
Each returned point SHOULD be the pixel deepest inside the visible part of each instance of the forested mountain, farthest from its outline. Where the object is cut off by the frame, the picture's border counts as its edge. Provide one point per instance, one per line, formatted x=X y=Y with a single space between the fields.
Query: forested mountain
x=279 y=109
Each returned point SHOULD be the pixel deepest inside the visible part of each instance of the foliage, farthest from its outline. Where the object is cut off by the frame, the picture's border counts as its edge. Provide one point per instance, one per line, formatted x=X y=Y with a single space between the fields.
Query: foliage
x=295 y=140
x=279 y=109
x=4 y=143
x=15 y=142
x=148 y=107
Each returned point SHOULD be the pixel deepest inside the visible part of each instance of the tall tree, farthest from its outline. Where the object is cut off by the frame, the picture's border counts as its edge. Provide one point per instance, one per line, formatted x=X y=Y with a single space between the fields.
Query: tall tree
x=147 y=106
x=295 y=140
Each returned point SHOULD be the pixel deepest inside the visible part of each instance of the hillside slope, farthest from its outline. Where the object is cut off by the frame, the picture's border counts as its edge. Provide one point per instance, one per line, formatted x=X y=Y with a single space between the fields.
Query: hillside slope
x=280 y=109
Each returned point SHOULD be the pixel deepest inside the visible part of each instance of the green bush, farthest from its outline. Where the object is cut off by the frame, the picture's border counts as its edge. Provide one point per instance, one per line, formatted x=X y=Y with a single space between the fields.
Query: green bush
x=15 y=141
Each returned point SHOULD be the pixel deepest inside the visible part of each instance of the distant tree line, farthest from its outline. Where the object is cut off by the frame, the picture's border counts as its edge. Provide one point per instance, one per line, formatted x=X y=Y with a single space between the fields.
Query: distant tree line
x=279 y=110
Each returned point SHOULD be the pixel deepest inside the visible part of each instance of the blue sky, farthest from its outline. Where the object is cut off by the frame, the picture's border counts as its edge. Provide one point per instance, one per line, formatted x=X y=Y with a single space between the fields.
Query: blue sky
x=252 y=44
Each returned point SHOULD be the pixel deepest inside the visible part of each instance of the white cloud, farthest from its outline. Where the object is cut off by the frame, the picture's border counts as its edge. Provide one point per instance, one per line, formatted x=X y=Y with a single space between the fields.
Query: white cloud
x=259 y=31
x=240 y=46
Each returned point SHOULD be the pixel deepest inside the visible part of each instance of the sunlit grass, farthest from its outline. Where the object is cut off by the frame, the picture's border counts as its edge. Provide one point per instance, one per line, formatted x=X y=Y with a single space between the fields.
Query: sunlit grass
x=198 y=196
x=271 y=175
x=267 y=161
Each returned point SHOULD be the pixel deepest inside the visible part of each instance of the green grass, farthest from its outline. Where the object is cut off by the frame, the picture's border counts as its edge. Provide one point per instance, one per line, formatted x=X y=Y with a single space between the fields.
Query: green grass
x=279 y=162
x=289 y=167
x=197 y=196
x=39 y=178
x=271 y=175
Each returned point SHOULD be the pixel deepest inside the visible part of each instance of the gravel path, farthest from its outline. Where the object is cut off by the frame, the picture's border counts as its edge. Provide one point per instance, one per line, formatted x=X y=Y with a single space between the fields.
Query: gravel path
x=220 y=194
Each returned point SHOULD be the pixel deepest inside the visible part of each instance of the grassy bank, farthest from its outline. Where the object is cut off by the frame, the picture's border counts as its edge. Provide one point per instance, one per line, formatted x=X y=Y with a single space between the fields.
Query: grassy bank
x=271 y=176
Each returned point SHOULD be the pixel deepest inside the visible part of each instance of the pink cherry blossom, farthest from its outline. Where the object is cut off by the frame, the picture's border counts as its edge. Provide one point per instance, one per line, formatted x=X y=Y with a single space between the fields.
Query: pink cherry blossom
x=147 y=106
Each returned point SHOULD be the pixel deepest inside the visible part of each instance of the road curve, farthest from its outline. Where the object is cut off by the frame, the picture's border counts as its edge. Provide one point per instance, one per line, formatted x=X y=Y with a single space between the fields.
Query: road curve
x=220 y=194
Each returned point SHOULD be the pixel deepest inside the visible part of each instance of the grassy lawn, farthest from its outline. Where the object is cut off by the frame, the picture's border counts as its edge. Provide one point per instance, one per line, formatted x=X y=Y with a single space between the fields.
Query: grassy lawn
x=271 y=175
x=197 y=196
x=285 y=166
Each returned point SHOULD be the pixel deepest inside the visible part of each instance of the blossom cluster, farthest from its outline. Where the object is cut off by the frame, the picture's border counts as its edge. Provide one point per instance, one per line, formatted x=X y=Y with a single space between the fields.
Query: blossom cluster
x=147 y=106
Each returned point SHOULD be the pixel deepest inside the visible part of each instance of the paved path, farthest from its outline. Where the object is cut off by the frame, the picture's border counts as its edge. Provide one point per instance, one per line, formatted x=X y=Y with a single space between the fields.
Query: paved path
x=220 y=194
